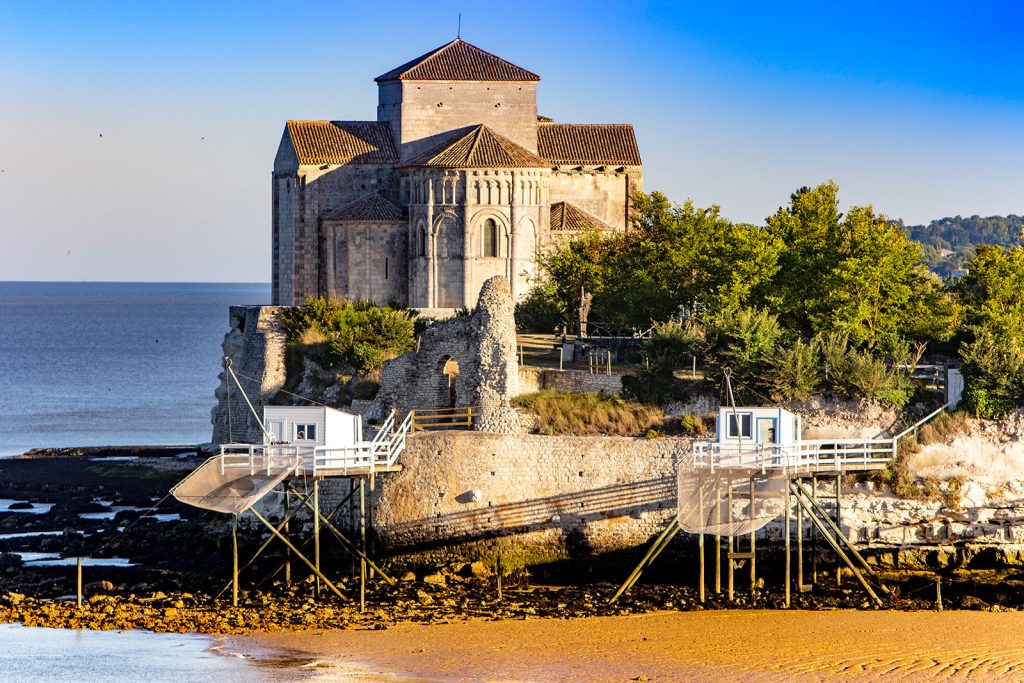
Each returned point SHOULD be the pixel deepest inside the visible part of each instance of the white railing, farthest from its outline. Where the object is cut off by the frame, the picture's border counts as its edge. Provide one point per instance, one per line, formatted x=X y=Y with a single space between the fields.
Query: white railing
x=381 y=452
x=811 y=456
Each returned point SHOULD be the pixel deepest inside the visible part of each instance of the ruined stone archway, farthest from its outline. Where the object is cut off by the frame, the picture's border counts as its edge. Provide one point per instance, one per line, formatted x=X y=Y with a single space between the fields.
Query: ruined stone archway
x=448 y=374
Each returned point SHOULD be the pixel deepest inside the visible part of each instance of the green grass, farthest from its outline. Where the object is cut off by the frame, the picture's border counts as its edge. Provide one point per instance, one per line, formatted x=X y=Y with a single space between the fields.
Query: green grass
x=591 y=414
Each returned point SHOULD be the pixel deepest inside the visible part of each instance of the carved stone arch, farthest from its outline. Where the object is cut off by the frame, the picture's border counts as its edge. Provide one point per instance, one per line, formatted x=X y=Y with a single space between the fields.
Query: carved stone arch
x=447 y=235
x=477 y=225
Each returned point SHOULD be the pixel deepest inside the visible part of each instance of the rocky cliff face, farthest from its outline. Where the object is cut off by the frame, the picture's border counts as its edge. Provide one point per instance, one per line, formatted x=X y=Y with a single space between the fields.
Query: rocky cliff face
x=255 y=344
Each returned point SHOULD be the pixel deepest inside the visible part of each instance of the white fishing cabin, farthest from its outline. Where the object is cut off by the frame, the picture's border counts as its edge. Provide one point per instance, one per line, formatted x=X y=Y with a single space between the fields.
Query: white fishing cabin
x=310 y=427
x=751 y=428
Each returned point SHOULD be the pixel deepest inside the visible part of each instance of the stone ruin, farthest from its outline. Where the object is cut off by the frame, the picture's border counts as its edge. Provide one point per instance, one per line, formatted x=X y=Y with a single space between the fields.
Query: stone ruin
x=462 y=361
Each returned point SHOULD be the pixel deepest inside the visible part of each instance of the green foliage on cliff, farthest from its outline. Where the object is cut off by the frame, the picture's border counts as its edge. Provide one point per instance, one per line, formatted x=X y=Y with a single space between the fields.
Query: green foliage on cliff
x=344 y=334
x=590 y=414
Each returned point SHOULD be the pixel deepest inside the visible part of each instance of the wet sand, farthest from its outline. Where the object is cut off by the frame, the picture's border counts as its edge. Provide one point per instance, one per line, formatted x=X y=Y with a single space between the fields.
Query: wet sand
x=748 y=645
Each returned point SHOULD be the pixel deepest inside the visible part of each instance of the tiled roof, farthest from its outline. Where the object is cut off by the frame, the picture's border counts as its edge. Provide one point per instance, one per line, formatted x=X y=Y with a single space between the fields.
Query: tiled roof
x=477 y=147
x=372 y=207
x=568 y=218
x=588 y=143
x=342 y=142
x=458 y=61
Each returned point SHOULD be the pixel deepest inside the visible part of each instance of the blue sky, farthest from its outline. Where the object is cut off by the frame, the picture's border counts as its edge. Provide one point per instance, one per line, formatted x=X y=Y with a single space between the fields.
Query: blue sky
x=916 y=108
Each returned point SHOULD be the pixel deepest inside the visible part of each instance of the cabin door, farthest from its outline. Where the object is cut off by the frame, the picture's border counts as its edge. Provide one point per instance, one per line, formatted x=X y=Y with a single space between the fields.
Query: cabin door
x=767 y=430
x=276 y=428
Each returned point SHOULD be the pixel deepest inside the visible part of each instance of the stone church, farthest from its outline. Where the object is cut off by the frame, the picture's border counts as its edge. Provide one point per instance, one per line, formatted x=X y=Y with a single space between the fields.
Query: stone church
x=457 y=180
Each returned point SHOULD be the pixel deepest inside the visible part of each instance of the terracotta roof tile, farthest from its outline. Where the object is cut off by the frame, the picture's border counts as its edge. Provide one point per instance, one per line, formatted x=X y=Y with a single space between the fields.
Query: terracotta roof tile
x=342 y=142
x=568 y=218
x=588 y=143
x=458 y=61
x=372 y=207
x=477 y=147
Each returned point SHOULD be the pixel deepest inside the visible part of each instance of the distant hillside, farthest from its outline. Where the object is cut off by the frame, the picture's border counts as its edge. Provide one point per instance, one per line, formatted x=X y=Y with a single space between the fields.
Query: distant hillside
x=960 y=235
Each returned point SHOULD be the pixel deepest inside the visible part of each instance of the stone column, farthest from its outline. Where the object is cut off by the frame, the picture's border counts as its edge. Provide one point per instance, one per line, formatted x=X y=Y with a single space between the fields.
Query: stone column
x=431 y=249
x=513 y=262
x=468 y=257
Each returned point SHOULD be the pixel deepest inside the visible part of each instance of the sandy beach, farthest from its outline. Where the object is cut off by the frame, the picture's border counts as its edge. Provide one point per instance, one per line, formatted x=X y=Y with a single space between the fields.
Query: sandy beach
x=730 y=645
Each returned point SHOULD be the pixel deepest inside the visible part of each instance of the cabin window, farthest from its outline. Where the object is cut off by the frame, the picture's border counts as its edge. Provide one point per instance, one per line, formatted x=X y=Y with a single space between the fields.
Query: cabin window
x=490 y=238
x=738 y=425
x=305 y=432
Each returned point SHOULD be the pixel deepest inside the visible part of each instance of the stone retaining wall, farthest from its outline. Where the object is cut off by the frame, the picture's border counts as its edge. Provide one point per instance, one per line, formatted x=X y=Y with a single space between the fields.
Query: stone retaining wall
x=533 y=498
x=535 y=379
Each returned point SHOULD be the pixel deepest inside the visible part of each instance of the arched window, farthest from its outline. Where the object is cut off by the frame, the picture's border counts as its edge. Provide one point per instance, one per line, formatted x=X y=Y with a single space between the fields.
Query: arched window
x=490 y=238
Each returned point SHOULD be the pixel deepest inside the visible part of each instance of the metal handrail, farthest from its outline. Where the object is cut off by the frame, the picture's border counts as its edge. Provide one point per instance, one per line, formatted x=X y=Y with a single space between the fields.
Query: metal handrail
x=816 y=454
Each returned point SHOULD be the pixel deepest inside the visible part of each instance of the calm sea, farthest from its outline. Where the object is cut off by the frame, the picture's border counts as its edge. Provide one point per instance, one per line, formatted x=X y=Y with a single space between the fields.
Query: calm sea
x=100 y=364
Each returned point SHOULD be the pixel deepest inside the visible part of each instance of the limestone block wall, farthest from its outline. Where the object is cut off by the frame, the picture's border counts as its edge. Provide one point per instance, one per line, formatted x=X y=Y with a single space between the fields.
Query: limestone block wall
x=255 y=343
x=605 y=194
x=580 y=381
x=422 y=113
x=366 y=261
x=535 y=498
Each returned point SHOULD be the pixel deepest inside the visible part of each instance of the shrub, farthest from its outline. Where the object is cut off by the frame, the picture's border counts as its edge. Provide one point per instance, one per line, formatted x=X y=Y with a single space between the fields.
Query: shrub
x=993 y=367
x=673 y=341
x=648 y=386
x=359 y=334
x=590 y=414
x=944 y=428
x=365 y=391
x=796 y=372
x=744 y=340
x=538 y=313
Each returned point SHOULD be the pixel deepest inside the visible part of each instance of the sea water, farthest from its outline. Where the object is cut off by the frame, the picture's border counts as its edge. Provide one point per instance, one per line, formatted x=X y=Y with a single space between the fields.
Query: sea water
x=56 y=655
x=103 y=364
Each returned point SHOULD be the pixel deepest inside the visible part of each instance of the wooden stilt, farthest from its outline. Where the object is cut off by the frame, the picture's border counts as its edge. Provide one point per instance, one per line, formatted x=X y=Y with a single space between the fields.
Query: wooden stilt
x=789 y=582
x=814 y=534
x=372 y=517
x=732 y=547
x=234 y=560
x=800 y=545
x=291 y=547
x=499 y=572
x=362 y=542
x=753 y=541
x=79 y=591
x=352 y=524
x=839 y=494
x=316 y=533
x=288 y=552
x=718 y=539
x=700 y=540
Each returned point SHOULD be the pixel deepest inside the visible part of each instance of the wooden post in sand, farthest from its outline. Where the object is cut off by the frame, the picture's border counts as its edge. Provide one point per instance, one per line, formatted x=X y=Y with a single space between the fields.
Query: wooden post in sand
x=234 y=560
x=79 y=583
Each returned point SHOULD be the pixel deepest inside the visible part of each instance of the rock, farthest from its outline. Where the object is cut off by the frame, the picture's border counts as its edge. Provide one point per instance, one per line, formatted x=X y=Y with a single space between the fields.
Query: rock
x=424 y=598
x=435 y=579
x=478 y=570
x=97 y=587
x=407 y=577
x=20 y=505
x=972 y=602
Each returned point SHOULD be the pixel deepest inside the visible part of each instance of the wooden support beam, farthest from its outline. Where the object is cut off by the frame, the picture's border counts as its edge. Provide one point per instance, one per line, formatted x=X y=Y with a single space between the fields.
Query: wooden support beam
x=838 y=550
x=284 y=539
x=789 y=500
x=316 y=533
x=288 y=552
x=732 y=544
x=652 y=554
x=753 y=544
x=353 y=550
x=234 y=560
x=362 y=539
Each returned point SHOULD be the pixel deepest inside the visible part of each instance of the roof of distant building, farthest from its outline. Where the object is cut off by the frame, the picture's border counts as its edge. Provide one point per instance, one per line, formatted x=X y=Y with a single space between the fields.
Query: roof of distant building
x=566 y=217
x=342 y=142
x=477 y=147
x=458 y=61
x=588 y=143
x=372 y=207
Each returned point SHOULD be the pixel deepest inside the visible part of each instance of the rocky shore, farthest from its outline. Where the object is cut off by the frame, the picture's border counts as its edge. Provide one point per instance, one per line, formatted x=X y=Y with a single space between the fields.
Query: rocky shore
x=155 y=564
